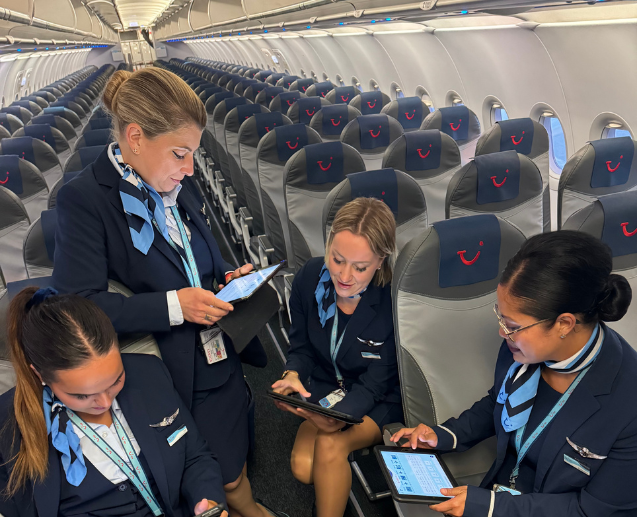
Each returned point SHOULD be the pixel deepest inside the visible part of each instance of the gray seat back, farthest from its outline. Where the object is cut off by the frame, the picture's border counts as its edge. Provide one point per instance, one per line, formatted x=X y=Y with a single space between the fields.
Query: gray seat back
x=319 y=89
x=398 y=190
x=431 y=158
x=506 y=184
x=527 y=137
x=371 y=135
x=18 y=111
x=409 y=111
x=65 y=113
x=37 y=152
x=82 y=158
x=58 y=123
x=14 y=222
x=613 y=219
x=272 y=79
x=32 y=106
x=26 y=181
x=253 y=90
x=273 y=152
x=4 y=133
x=370 y=103
x=218 y=120
x=302 y=85
x=250 y=135
x=446 y=333
x=267 y=95
x=211 y=104
x=310 y=175
x=232 y=123
x=330 y=121
x=10 y=122
x=284 y=100
x=342 y=95
x=39 y=100
x=286 y=81
x=263 y=75
x=95 y=137
x=243 y=85
x=39 y=245
x=598 y=169
x=302 y=111
x=460 y=123
x=47 y=133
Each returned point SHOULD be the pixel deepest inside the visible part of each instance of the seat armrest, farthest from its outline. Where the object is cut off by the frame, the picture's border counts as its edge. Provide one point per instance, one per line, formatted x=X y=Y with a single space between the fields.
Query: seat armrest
x=266 y=250
x=389 y=430
x=245 y=218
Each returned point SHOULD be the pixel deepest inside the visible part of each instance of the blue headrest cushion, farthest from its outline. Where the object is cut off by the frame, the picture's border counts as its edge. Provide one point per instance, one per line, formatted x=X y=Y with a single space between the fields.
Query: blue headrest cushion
x=41 y=132
x=98 y=137
x=266 y=122
x=516 y=135
x=423 y=150
x=23 y=103
x=275 y=78
x=323 y=88
x=271 y=92
x=469 y=250
x=288 y=80
x=89 y=154
x=245 y=111
x=49 y=222
x=324 y=163
x=98 y=123
x=4 y=121
x=380 y=184
x=44 y=119
x=247 y=82
x=620 y=222
x=233 y=102
x=371 y=103
x=455 y=122
x=374 y=131
x=287 y=99
x=10 y=176
x=265 y=73
x=258 y=87
x=498 y=177
x=344 y=94
x=335 y=118
x=613 y=161
x=290 y=139
x=13 y=110
x=304 y=84
x=22 y=146
x=410 y=112
x=55 y=110
x=218 y=97
x=308 y=107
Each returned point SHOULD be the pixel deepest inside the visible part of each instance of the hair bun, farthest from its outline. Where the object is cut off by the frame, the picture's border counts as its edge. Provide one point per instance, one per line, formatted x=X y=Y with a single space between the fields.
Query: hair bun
x=615 y=299
x=114 y=83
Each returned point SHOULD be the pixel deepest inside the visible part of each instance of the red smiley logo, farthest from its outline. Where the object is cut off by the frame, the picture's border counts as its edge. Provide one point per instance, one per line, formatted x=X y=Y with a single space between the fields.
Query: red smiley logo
x=344 y=98
x=455 y=128
x=371 y=132
x=495 y=183
x=336 y=123
x=320 y=164
x=423 y=156
x=310 y=114
x=412 y=115
x=473 y=260
x=291 y=102
x=295 y=145
x=267 y=129
x=7 y=179
x=611 y=169
x=304 y=88
x=371 y=105
x=626 y=232
x=323 y=94
x=520 y=140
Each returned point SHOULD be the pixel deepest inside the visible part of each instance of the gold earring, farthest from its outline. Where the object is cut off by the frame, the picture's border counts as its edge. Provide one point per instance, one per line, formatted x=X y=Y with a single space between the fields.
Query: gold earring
x=136 y=150
x=562 y=336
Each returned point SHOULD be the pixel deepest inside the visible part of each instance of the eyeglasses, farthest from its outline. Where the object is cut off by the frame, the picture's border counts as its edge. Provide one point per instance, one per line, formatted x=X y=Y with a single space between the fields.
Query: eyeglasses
x=505 y=329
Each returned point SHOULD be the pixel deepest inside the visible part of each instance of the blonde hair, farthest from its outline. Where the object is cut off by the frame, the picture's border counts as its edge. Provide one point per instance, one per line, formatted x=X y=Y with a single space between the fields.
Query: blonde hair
x=370 y=218
x=156 y=99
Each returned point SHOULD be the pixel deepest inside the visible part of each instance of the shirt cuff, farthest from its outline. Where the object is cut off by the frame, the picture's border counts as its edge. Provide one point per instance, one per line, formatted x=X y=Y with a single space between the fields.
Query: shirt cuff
x=480 y=502
x=447 y=440
x=175 y=315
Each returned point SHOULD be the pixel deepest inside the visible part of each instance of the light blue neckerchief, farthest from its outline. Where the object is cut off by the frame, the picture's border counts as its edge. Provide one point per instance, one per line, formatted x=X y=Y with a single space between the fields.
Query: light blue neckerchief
x=326 y=296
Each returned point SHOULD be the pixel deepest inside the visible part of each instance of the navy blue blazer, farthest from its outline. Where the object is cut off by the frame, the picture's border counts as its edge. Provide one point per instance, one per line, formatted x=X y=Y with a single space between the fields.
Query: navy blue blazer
x=185 y=473
x=93 y=245
x=368 y=381
x=600 y=415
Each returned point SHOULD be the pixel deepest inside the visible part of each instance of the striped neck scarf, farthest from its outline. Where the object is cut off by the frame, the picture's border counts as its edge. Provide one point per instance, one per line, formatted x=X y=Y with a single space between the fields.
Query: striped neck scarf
x=520 y=385
x=325 y=295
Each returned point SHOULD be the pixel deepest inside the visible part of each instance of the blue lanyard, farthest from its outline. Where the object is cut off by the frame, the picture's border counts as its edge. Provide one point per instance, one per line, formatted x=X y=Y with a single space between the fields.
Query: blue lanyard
x=136 y=476
x=336 y=346
x=523 y=449
x=191 y=266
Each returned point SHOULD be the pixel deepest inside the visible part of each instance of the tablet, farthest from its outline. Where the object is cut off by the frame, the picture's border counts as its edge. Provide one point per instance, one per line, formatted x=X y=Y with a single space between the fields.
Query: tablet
x=243 y=287
x=414 y=476
x=330 y=413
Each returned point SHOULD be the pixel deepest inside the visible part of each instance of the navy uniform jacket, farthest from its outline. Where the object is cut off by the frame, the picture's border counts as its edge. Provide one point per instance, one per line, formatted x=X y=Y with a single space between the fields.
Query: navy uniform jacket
x=601 y=415
x=93 y=245
x=185 y=473
x=368 y=381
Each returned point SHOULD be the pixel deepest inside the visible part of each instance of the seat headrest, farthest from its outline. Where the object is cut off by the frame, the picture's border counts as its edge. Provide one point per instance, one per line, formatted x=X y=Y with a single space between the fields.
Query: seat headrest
x=82 y=158
x=216 y=98
x=283 y=101
x=319 y=167
x=100 y=123
x=286 y=81
x=253 y=90
x=342 y=95
x=33 y=107
x=237 y=116
x=409 y=111
x=274 y=78
x=10 y=122
x=459 y=122
x=263 y=75
x=423 y=153
x=13 y=210
x=302 y=84
x=613 y=161
x=98 y=137
x=371 y=134
x=266 y=95
x=226 y=106
x=371 y=103
x=23 y=147
x=331 y=120
x=305 y=108
x=380 y=184
x=46 y=133
x=498 y=177
x=242 y=85
x=522 y=135
x=319 y=89
x=255 y=128
x=207 y=92
x=18 y=111
x=279 y=145
x=10 y=174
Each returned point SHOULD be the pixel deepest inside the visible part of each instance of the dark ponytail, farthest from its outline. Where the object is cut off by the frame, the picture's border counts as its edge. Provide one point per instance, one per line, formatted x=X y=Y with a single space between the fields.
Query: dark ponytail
x=567 y=272
x=51 y=333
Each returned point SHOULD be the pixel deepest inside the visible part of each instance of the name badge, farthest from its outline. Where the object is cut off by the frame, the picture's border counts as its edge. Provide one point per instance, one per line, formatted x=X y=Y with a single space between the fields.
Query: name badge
x=212 y=345
x=177 y=435
x=333 y=398
x=369 y=355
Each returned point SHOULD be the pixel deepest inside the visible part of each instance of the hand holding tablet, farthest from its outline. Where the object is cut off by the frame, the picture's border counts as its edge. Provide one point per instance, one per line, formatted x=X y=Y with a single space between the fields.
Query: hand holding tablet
x=245 y=286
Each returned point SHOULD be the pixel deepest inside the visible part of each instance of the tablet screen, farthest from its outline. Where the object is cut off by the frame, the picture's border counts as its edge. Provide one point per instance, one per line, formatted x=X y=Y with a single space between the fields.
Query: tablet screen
x=244 y=286
x=416 y=474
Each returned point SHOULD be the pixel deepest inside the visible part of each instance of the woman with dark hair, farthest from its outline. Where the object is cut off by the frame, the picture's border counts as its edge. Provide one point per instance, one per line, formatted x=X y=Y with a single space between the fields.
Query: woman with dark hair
x=564 y=402
x=88 y=432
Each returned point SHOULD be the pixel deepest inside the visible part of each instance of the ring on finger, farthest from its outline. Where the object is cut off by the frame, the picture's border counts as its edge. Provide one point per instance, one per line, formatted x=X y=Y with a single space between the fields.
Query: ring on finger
x=207 y=317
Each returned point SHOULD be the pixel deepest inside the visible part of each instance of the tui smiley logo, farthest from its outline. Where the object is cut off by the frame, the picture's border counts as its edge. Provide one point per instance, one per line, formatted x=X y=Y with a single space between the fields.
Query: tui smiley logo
x=624 y=228
x=495 y=183
x=409 y=117
x=7 y=179
x=323 y=94
x=295 y=145
x=371 y=105
x=336 y=123
x=519 y=141
x=345 y=98
x=423 y=156
x=456 y=127
x=473 y=260
x=320 y=164
x=371 y=132
x=310 y=114
x=290 y=102
x=609 y=162
x=303 y=88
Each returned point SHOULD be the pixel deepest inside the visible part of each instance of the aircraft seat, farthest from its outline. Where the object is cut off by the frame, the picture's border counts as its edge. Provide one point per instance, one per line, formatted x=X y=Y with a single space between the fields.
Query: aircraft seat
x=600 y=168
x=460 y=123
x=263 y=75
x=99 y=112
x=371 y=135
x=10 y=122
x=310 y=175
x=98 y=123
x=302 y=85
x=211 y=104
x=445 y=366
x=302 y=111
x=330 y=121
x=82 y=158
x=218 y=119
x=47 y=96
x=251 y=72
x=94 y=137
x=18 y=111
x=253 y=90
x=398 y=190
x=39 y=100
x=370 y=103
x=208 y=91
x=431 y=158
x=242 y=86
x=39 y=245
x=342 y=94
x=72 y=105
x=409 y=111
x=286 y=81
x=32 y=106
x=272 y=79
x=319 y=89
x=4 y=133
x=267 y=95
x=47 y=133
x=57 y=122
x=26 y=181
x=14 y=222
x=39 y=153
x=284 y=100
x=65 y=113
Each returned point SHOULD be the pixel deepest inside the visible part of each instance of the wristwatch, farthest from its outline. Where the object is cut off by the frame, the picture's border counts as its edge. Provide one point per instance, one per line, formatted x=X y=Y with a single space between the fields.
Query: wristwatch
x=286 y=372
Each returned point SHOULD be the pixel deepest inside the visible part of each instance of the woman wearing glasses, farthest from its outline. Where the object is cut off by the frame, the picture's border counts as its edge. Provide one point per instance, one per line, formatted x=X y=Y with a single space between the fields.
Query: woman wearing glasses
x=564 y=402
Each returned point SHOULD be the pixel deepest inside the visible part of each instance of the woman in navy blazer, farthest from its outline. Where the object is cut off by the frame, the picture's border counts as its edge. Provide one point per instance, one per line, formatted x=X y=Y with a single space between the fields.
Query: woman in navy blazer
x=350 y=284
x=64 y=351
x=119 y=219
x=565 y=384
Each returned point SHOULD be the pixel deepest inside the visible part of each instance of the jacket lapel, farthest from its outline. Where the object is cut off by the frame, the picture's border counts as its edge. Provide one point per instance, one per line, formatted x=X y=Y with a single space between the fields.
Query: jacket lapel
x=363 y=315
x=47 y=494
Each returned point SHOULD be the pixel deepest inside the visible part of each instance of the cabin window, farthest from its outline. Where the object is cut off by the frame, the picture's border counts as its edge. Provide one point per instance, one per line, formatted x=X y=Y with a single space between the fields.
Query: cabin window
x=557 y=142
x=426 y=98
x=498 y=113
x=374 y=86
x=611 y=131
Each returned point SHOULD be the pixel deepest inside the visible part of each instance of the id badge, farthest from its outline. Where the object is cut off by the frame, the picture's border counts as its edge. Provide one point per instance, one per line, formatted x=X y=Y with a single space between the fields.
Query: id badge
x=502 y=488
x=212 y=344
x=333 y=398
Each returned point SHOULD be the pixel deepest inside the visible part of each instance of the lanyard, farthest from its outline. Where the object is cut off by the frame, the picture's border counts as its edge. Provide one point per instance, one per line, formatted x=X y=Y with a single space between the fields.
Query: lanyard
x=335 y=347
x=523 y=449
x=136 y=476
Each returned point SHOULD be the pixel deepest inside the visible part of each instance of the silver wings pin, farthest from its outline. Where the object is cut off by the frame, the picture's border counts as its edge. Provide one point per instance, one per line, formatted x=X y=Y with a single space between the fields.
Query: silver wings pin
x=370 y=343
x=584 y=452
x=167 y=421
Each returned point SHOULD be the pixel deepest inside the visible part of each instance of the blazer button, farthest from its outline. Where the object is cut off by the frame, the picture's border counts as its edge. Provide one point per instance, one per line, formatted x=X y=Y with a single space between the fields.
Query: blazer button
x=122 y=487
